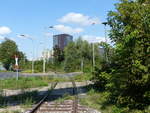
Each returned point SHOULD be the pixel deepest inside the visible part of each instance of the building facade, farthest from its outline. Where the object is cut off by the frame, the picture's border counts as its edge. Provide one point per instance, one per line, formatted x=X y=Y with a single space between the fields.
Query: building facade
x=1 y=66
x=62 y=40
x=47 y=54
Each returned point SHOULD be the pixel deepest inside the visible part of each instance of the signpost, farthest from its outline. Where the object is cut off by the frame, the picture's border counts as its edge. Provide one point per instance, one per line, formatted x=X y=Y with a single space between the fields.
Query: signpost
x=16 y=66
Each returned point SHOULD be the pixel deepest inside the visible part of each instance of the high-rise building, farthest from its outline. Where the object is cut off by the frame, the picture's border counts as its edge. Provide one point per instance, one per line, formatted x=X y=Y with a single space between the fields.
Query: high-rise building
x=62 y=40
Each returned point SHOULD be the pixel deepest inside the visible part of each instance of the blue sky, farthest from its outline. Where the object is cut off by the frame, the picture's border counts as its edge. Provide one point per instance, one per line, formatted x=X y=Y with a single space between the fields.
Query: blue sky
x=32 y=18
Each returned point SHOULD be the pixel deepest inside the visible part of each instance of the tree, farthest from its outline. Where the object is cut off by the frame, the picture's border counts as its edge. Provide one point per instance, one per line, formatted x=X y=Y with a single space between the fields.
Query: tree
x=78 y=55
x=8 y=48
x=58 y=55
x=130 y=30
x=71 y=57
x=22 y=59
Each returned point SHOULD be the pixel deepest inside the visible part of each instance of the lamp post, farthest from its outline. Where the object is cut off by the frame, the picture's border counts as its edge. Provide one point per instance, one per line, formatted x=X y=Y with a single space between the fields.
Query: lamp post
x=93 y=49
x=44 y=53
x=22 y=35
x=105 y=23
x=51 y=27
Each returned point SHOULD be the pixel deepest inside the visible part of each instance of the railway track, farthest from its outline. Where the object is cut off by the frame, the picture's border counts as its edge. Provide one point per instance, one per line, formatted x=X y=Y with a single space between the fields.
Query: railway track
x=46 y=105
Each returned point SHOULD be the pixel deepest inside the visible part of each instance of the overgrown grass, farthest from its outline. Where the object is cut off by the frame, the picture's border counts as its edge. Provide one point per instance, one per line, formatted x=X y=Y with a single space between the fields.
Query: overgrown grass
x=99 y=100
x=38 y=81
x=28 y=82
x=82 y=77
x=8 y=111
x=27 y=71
x=63 y=98
x=25 y=99
x=24 y=82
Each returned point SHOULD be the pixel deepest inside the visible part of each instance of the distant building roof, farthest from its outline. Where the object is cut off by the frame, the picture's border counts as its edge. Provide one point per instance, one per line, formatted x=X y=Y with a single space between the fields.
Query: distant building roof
x=62 y=40
x=63 y=35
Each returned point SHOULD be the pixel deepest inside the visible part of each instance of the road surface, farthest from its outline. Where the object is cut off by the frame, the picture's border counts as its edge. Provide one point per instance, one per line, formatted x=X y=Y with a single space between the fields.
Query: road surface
x=13 y=74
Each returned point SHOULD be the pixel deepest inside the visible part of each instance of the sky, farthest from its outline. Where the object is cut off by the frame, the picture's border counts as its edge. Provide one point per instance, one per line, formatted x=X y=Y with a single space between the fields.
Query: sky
x=32 y=19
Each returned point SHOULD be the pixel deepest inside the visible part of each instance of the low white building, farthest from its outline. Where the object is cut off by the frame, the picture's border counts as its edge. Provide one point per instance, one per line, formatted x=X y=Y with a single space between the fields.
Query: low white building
x=47 y=54
x=1 y=66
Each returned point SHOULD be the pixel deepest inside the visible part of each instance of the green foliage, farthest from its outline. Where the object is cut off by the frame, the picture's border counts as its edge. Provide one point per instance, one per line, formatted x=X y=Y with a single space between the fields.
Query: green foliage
x=28 y=102
x=58 y=55
x=78 y=56
x=71 y=58
x=108 y=51
x=130 y=81
x=8 y=111
x=116 y=110
x=27 y=99
x=127 y=76
x=24 y=82
x=100 y=79
x=82 y=77
x=38 y=66
x=8 y=49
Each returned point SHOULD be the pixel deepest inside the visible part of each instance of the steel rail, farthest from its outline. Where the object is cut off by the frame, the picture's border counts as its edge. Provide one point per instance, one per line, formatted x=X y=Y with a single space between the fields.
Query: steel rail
x=43 y=99
x=74 y=104
x=75 y=92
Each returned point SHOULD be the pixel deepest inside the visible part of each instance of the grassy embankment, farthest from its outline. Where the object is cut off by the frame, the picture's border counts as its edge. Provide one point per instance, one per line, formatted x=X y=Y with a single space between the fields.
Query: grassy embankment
x=99 y=99
x=28 y=82
x=25 y=99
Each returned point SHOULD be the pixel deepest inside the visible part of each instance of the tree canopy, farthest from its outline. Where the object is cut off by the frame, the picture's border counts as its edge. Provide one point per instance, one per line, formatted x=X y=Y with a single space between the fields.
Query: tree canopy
x=8 y=49
x=130 y=30
x=79 y=55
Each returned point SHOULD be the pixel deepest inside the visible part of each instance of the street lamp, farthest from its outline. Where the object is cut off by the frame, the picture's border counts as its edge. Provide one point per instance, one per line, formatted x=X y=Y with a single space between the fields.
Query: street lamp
x=44 y=54
x=52 y=27
x=105 y=23
x=93 y=46
x=93 y=49
x=26 y=36
x=93 y=55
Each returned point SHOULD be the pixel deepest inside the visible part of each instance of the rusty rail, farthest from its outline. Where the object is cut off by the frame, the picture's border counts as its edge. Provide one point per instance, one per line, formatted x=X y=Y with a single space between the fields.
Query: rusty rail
x=74 y=104
x=43 y=99
x=75 y=92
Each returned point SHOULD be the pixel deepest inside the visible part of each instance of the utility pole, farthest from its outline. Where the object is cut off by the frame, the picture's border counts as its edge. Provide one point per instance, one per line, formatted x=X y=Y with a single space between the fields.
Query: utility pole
x=106 y=55
x=51 y=27
x=82 y=64
x=44 y=54
x=93 y=55
x=93 y=49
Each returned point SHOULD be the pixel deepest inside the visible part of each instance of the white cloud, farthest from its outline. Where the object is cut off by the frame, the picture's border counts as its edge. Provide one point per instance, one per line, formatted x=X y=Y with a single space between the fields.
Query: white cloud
x=95 y=39
x=67 y=29
x=78 y=18
x=2 y=38
x=48 y=34
x=4 y=30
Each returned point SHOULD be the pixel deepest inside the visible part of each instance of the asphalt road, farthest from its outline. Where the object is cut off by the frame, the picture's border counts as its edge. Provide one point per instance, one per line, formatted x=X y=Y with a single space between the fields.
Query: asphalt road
x=4 y=75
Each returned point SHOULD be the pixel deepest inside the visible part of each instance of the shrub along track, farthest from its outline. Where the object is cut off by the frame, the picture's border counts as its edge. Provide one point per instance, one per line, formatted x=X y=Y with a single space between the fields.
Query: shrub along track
x=67 y=106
